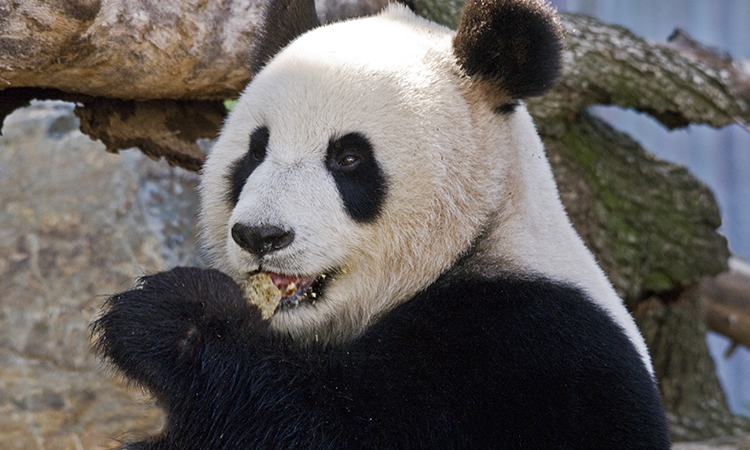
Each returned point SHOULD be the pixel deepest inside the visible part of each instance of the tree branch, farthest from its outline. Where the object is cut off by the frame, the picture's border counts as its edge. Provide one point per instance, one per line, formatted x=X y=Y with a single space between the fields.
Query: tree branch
x=726 y=303
x=607 y=64
x=167 y=129
x=143 y=73
x=128 y=49
x=140 y=50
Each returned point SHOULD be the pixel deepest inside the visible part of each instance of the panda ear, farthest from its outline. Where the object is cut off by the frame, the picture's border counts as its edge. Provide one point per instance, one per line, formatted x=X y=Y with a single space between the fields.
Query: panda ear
x=283 y=21
x=514 y=46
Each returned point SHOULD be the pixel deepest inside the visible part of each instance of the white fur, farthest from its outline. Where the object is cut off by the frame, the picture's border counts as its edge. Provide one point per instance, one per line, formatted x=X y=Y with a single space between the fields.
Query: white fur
x=455 y=169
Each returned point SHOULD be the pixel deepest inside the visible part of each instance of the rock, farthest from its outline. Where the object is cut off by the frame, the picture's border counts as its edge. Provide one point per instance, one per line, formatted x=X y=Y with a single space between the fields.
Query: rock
x=742 y=443
x=76 y=225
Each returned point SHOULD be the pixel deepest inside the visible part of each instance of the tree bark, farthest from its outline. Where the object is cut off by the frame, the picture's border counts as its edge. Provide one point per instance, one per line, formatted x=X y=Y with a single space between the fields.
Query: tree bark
x=143 y=73
x=651 y=224
x=128 y=49
x=726 y=303
x=672 y=325
x=134 y=67
x=609 y=65
x=652 y=227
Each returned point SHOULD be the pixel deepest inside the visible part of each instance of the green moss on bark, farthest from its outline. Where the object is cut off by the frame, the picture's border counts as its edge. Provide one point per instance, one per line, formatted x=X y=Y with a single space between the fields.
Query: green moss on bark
x=651 y=224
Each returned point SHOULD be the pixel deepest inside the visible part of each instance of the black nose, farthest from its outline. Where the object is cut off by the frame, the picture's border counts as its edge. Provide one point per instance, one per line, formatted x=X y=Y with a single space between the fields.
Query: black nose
x=261 y=240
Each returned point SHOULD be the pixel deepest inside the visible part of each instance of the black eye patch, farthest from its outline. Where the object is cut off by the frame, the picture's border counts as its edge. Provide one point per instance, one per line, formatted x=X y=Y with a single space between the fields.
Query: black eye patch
x=241 y=169
x=359 y=178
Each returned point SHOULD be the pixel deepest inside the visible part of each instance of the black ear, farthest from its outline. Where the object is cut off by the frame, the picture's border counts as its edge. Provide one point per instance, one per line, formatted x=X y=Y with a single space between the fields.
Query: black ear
x=156 y=334
x=284 y=20
x=513 y=45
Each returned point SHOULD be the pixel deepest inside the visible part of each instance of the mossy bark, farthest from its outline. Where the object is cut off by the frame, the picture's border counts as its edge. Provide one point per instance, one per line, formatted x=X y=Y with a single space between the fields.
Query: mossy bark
x=651 y=224
x=672 y=325
x=652 y=227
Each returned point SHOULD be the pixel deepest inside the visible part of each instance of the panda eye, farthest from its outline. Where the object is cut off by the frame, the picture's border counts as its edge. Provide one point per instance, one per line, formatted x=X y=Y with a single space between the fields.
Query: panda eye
x=258 y=143
x=241 y=169
x=348 y=162
x=258 y=154
x=348 y=153
x=362 y=185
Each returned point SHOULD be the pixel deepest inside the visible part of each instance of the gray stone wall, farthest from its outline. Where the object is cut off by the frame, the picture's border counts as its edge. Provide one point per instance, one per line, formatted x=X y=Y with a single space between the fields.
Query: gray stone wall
x=76 y=225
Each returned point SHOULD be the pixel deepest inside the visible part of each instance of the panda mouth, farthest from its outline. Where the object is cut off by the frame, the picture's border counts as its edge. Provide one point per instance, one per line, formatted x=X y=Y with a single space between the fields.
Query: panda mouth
x=295 y=290
x=274 y=292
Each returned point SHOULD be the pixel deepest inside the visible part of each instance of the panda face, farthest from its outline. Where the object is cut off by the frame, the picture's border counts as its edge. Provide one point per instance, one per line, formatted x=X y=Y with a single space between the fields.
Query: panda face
x=369 y=157
x=350 y=160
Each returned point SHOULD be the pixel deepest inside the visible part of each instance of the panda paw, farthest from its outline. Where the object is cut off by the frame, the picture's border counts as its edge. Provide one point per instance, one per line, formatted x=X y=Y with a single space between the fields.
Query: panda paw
x=156 y=332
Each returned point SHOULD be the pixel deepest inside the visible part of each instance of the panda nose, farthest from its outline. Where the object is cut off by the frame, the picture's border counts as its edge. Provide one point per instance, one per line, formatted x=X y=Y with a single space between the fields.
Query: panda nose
x=261 y=240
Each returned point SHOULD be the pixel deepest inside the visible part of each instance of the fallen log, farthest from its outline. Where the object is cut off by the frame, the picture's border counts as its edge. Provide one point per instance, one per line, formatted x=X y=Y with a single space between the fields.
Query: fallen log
x=726 y=303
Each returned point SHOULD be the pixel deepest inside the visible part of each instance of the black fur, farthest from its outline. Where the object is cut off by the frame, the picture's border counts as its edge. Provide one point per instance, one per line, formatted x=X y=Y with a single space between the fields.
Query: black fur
x=468 y=363
x=359 y=178
x=514 y=45
x=506 y=108
x=284 y=21
x=241 y=169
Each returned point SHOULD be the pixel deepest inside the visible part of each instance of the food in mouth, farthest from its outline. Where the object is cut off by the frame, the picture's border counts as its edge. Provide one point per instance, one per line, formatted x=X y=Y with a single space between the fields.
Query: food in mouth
x=260 y=291
x=270 y=291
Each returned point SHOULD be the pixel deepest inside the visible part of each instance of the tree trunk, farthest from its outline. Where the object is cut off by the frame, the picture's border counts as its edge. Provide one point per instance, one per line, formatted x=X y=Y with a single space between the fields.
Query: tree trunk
x=696 y=407
x=128 y=49
x=655 y=236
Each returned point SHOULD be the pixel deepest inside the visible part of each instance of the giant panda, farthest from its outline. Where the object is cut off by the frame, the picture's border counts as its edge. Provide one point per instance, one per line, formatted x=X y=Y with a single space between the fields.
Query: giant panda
x=386 y=175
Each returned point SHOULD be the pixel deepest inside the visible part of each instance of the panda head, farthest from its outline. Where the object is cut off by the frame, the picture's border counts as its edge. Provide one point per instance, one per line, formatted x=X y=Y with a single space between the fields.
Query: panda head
x=367 y=157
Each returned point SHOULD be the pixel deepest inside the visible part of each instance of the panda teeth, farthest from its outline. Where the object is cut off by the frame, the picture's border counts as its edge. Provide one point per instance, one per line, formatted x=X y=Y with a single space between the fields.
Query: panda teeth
x=277 y=292
x=295 y=291
x=290 y=289
x=301 y=290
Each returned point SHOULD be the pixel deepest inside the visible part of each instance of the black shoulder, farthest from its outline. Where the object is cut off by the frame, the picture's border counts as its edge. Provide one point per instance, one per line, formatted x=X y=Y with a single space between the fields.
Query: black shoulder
x=533 y=355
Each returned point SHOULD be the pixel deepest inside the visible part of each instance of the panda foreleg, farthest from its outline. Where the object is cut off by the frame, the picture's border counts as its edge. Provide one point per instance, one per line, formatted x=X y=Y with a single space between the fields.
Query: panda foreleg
x=154 y=333
x=191 y=339
x=480 y=364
